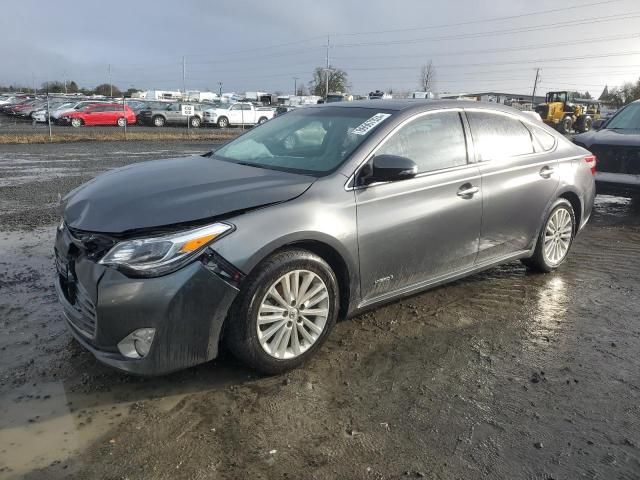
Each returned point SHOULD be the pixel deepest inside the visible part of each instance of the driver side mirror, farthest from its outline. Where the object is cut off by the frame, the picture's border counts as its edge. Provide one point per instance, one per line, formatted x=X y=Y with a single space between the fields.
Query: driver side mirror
x=388 y=168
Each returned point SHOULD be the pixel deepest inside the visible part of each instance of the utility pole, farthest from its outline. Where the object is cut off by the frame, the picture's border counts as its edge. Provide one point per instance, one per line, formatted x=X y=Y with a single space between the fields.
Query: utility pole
x=220 y=86
x=110 y=84
x=184 y=76
x=295 y=86
x=535 y=84
x=326 y=95
x=33 y=82
x=64 y=74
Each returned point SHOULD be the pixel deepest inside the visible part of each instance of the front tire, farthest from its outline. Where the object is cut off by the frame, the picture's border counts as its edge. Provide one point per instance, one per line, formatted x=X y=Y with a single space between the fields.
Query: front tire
x=565 y=125
x=284 y=313
x=223 y=122
x=555 y=238
x=76 y=122
x=262 y=120
x=158 y=121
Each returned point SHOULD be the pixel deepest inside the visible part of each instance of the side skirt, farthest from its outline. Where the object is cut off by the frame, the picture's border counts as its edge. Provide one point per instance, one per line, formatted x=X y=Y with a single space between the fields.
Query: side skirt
x=434 y=282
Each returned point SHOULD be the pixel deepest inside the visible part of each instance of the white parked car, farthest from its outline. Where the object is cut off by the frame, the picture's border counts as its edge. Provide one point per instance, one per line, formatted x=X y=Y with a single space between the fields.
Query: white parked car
x=533 y=115
x=241 y=113
x=70 y=107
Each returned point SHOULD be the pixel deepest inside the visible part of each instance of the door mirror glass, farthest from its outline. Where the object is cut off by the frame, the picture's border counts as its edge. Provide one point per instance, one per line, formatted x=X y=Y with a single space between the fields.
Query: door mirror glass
x=388 y=168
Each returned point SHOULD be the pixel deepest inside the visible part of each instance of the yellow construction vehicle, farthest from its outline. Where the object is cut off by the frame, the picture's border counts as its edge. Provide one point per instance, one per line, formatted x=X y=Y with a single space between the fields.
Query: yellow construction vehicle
x=564 y=112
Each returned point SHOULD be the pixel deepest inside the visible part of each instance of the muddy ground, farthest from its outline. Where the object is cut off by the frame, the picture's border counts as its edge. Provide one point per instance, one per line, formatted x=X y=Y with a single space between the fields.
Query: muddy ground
x=504 y=375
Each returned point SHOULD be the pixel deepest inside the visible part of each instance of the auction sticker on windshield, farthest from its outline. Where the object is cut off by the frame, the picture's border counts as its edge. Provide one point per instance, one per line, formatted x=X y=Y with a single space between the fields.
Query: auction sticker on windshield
x=367 y=125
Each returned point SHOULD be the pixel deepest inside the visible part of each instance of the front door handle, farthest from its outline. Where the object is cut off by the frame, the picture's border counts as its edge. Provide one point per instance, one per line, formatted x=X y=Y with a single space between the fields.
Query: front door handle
x=546 y=172
x=467 y=190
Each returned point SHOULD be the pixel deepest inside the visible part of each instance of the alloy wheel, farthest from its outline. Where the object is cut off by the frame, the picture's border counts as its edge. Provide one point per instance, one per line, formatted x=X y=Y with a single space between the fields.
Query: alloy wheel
x=557 y=236
x=292 y=314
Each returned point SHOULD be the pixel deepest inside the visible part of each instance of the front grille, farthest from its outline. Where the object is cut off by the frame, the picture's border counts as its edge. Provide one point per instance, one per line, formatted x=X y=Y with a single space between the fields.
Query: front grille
x=77 y=296
x=617 y=159
x=86 y=322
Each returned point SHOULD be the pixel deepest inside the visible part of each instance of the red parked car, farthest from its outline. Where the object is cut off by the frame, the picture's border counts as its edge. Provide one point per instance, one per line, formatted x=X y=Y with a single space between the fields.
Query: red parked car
x=100 y=114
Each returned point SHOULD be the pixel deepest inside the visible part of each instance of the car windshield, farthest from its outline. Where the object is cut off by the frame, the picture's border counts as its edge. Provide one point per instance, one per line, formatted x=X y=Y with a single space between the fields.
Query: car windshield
x=627 y=119
x=311 y=140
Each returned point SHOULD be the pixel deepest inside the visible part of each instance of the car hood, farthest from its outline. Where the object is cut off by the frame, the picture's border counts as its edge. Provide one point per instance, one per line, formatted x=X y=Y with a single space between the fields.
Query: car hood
x=630 y=138
x=167 y=192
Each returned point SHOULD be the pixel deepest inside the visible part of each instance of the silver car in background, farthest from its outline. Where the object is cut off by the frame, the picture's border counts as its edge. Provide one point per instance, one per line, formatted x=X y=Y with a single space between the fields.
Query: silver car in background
x=317 y=214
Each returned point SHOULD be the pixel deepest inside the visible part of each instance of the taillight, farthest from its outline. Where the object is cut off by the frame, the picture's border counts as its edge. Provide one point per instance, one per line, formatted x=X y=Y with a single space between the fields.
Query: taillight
x=591 y=161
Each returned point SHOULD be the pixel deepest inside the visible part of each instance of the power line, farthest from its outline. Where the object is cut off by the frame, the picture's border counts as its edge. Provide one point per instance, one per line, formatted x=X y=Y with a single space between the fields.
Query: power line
x=496 y=50
x=515 y=62
x=266 y=47
x=586 y=21
x=472 y=22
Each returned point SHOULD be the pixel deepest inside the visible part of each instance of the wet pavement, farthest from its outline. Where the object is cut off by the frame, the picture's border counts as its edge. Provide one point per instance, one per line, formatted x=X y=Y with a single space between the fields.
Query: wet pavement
x=506 y=374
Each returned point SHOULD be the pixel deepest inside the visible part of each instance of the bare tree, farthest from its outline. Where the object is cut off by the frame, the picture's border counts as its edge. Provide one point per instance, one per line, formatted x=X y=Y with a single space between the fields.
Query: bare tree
x=428 y=77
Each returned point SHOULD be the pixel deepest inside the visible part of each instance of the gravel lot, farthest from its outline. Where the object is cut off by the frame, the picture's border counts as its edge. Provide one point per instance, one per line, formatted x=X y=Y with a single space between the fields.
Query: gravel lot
x=504 y=375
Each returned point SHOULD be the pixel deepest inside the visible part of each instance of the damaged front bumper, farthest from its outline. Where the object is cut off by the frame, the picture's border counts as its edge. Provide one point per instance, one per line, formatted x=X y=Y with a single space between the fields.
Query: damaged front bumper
x=102 y=306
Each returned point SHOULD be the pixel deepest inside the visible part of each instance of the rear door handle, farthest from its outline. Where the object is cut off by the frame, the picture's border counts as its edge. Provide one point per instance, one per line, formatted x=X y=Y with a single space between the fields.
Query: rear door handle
x=546 y=172
x=468 y=190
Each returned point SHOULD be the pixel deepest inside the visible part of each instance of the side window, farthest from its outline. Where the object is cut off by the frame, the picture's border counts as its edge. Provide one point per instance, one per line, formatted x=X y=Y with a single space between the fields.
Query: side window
x=246 y=107
x=235 y=107
x=498 y=136
x=544 y=140
x=434 y=141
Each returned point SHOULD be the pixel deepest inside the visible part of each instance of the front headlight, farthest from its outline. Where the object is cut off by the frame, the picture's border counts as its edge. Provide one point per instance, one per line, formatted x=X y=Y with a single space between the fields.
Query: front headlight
x=164 y=254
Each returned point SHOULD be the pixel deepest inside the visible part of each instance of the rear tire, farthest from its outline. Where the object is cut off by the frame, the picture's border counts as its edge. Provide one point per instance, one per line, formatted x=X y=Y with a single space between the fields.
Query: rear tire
x=195 y=122
x=586 y=124
x=555 y=238
x=252 y=342
x=122 y=122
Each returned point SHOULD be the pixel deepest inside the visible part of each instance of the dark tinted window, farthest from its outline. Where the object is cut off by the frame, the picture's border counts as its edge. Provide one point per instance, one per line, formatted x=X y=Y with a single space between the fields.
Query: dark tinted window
x=498 y=136
x=545 y=141
x=626 y=119
x=434 y=141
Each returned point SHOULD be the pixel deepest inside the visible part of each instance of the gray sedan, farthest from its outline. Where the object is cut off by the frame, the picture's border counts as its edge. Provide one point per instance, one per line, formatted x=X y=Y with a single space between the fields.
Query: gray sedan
x=315 y=215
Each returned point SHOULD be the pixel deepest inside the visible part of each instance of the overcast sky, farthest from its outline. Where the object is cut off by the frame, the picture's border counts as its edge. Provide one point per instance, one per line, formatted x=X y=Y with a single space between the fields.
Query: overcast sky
x=262 y=45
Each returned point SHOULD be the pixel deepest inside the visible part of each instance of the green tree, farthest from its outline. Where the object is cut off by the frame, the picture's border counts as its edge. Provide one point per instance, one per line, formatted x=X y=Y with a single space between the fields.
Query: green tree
x=53 y=87
x=338 y=81
x=72 y=87
x=106 y=89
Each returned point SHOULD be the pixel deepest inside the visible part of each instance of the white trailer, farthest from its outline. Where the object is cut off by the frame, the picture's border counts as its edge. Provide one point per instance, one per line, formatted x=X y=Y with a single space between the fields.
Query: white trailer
x=163 y=95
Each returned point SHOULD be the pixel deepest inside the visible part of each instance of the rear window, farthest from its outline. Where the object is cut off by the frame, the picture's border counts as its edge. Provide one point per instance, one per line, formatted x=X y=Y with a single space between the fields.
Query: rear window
x=497 y=136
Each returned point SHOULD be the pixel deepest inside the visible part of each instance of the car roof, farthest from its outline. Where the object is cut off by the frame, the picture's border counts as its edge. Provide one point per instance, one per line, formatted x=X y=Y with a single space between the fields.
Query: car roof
x=420 y=105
